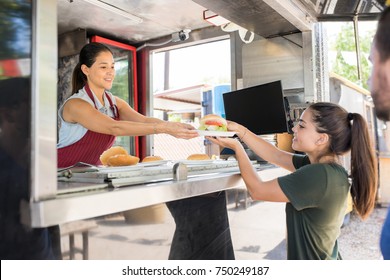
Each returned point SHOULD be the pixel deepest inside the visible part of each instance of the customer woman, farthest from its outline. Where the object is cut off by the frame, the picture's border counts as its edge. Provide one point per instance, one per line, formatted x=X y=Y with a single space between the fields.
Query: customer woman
x=92 y=117
x=316 y=191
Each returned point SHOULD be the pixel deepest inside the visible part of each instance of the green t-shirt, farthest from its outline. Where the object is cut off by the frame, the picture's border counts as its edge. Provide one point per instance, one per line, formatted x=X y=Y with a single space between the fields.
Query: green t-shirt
x=318 y=200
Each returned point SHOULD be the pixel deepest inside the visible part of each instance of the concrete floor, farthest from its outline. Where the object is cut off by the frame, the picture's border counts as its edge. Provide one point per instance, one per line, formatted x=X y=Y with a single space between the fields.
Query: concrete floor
x=258 y=232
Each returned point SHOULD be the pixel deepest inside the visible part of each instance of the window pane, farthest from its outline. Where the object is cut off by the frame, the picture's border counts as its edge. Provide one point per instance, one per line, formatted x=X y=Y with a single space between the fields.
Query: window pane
x=342 y=50
x=120 y=88
x=192 y=71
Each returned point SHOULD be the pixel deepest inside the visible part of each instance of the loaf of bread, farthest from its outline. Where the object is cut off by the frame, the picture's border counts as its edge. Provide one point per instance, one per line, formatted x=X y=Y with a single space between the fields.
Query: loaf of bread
x=198 y=157
x=122 y=160
x=152 y=158
x=113 y=151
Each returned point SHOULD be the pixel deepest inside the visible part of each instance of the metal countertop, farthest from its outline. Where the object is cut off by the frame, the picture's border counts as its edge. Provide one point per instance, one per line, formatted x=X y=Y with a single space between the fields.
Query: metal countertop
x=100 y=199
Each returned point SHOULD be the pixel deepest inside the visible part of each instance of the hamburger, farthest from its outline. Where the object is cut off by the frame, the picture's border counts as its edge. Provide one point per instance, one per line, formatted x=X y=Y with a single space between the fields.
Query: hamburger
x=212 y=122
x=198 y=157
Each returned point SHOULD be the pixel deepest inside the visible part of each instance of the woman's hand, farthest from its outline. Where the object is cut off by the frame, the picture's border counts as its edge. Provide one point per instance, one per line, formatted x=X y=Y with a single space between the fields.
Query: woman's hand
x=230 y=143
x=238 y=128
x=178 y=130
x=232 y=126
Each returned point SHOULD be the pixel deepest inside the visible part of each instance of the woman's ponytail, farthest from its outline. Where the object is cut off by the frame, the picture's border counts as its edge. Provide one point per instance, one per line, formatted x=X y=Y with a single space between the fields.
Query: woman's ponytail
x=349 y=132
x=364 y=169
x=78 y=79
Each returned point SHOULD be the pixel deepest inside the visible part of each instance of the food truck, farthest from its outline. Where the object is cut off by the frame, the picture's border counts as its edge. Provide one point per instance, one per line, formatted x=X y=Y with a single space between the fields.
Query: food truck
x=269 y=40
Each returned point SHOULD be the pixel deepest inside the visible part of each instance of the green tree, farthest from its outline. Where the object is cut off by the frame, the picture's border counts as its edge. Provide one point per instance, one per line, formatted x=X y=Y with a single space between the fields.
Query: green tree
x=15 y=28
x=345 y=43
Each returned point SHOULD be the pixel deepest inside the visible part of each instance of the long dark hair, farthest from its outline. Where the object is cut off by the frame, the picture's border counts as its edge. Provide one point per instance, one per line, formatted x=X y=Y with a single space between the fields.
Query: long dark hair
x=349 y=131
x=382 y=35
x=87 y=56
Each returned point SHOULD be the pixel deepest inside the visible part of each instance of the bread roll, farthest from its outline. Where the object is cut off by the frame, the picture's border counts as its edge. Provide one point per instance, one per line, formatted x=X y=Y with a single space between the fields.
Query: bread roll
x=198 y=157
x=152 y=158
x=116 y=150
x=122 y=160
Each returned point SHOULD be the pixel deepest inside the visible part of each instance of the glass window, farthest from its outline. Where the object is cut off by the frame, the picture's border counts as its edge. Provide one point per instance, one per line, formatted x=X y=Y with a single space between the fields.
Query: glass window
x=120 y=88
x=201 y=64
x=124 y=85
x=342 y=49
x=180 y=78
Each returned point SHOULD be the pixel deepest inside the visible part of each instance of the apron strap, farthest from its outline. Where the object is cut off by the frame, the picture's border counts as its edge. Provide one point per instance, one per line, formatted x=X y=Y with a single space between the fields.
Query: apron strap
x=113 y=107
x=89 y=92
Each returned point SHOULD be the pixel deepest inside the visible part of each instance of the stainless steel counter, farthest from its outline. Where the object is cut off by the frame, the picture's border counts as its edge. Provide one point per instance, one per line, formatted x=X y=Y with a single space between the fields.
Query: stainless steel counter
x=100 y=199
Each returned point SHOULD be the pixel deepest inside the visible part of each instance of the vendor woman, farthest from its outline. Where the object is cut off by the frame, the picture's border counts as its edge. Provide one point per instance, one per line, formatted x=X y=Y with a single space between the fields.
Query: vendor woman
x=92 y=117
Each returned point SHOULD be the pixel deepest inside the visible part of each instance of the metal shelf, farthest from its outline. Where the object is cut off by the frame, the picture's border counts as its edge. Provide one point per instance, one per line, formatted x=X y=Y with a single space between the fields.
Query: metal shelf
x=104 y=200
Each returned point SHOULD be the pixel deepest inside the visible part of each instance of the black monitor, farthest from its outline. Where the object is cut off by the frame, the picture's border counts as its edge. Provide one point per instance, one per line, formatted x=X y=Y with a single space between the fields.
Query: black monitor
x=261 y=108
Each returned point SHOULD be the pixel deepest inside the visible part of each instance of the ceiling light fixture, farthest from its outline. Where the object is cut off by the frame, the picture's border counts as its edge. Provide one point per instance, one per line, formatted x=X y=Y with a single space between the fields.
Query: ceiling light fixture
x=214 y=19
x=245 y=35
x=115 y=10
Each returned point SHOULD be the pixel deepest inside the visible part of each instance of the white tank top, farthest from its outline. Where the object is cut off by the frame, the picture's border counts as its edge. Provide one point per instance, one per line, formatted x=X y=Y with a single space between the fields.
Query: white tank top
x=70 y=133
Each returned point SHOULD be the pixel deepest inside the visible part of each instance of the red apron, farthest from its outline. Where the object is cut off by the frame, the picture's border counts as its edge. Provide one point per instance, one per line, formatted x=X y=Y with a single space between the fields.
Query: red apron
x=89 y=148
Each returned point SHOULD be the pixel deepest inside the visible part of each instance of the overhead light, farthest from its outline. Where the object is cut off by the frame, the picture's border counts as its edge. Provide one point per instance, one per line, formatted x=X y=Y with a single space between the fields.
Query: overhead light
x=245 y=35
x=214 y=18
x=115 y=10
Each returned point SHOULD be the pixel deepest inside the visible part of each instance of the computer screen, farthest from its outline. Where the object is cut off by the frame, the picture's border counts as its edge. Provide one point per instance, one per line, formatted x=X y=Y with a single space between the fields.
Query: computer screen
x=261 y=108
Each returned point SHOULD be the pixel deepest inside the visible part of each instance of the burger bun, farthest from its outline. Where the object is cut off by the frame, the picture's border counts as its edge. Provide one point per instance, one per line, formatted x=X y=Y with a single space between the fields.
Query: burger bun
x=116 y=150
x=122 y=160
x=152 y=158
x=198 y=157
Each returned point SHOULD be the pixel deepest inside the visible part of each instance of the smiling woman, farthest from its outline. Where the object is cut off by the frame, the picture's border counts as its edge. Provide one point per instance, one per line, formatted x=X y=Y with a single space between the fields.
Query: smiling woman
x=92 y=117
x=318 y=187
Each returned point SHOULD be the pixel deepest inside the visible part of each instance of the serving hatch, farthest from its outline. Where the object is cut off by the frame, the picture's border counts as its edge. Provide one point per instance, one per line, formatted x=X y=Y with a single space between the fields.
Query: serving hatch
x=143 y=174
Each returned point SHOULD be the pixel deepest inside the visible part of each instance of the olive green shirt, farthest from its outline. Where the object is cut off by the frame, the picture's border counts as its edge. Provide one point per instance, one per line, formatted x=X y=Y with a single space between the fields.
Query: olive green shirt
x=318 y=200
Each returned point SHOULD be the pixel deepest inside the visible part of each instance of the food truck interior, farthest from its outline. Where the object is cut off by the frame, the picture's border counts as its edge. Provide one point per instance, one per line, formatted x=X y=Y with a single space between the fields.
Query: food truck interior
x=270 y=40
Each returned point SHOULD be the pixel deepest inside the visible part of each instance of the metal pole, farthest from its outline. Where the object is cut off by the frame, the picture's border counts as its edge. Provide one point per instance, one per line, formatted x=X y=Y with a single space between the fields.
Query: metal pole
x=357 y=45
x=166 y=70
